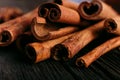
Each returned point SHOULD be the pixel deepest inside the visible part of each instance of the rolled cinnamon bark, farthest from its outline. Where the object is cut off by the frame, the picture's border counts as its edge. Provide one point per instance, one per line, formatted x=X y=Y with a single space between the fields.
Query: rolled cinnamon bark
x=71 y=46
x=96 y=10
x=39 y=51
x=7 y=13
x=7 y=24
x=91 y=56
x=13 y=31
x=57 y=13
x=112 y=25
x=24 y=39
x=68 y=3
x=47 y=31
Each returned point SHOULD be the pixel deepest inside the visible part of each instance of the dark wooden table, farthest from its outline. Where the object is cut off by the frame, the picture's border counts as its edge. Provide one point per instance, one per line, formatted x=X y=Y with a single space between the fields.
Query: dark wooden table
x=14 y=67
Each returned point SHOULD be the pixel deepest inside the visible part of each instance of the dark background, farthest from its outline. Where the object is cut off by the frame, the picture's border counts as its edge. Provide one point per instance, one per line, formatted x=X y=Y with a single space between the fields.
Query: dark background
x=14 y=67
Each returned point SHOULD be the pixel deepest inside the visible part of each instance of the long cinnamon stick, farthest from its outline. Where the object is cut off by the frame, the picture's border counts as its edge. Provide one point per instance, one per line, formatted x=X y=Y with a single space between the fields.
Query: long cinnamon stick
x=57 y=13
x=47 y=31
x=112 y=25
x=71 y=46
x=13 y=31
x=96 y=10
x=91 y=56
x=39 y=51
x=68 y=3
x=7 y=13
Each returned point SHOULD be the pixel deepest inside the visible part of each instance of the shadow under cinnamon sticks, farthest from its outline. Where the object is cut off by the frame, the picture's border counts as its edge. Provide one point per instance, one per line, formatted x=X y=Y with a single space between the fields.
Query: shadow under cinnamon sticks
x=39 y=51
x=93 y=55
x=96 y=10
x=18 y=26
x=71 y=46
x=46 y=31
x=57 y=13
x=25 y=39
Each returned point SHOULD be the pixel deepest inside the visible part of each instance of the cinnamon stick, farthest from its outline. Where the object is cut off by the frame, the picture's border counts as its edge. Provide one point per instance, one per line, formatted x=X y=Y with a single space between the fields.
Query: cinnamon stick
x=57 y=13
x=13 y=31
x=39 y=51
x=71 y=46
x=68 y=3
x=7 y=13
x=93 y=55
x=7 y=24
x=47 y=31
x=96 y=10
x=112 y=25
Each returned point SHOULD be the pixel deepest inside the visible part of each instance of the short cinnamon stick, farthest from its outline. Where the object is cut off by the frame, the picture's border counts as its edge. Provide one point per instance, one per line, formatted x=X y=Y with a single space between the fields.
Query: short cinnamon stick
x=7 y=13
x=68 y=3
x=96 y=10
x=39 y=51
x=13 y=31
x=57 y=13
x=47 y=31
x=112 y=25
x=71 y=46
x=91 y=56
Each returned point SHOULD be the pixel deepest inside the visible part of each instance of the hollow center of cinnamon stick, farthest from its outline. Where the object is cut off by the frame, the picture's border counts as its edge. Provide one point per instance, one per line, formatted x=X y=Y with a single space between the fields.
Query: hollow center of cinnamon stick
x=44 y=12
x=59 y=52
x=110 y=25
x=80 y=63
x=91 y=9
x=30 y=52
x=5 y=37
x=54 y=14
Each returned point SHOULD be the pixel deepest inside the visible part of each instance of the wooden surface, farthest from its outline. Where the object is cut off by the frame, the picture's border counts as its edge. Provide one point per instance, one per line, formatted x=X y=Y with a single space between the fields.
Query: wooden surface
x=14 y=67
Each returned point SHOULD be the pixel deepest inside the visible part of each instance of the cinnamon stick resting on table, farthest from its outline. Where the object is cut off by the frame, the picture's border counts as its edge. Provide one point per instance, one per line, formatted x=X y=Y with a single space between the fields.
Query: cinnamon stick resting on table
x=57 y=13
x=39 y=51
x=91 y=56
x=9 y=34
x=46 y=31
x=71 y=46
x=96 y=10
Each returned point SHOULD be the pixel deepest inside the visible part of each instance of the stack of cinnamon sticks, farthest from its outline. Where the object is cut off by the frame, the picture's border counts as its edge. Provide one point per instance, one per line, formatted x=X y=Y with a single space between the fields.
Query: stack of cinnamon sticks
x=62 y=28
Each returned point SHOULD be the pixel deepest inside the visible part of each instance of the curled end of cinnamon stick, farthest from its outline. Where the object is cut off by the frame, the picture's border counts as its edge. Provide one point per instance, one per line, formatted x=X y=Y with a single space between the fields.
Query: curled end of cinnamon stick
x=54 y=14
x=90 y=10
x=30 y=53
x=59 y=52
x=43 y=12
x=6 y=38
x=110 y=25
x=50 y=10
x=39 y=32
x=80 y=63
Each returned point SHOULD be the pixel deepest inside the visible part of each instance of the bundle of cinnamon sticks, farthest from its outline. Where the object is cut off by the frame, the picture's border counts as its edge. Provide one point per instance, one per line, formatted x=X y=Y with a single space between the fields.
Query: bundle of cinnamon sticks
x=61 y=29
